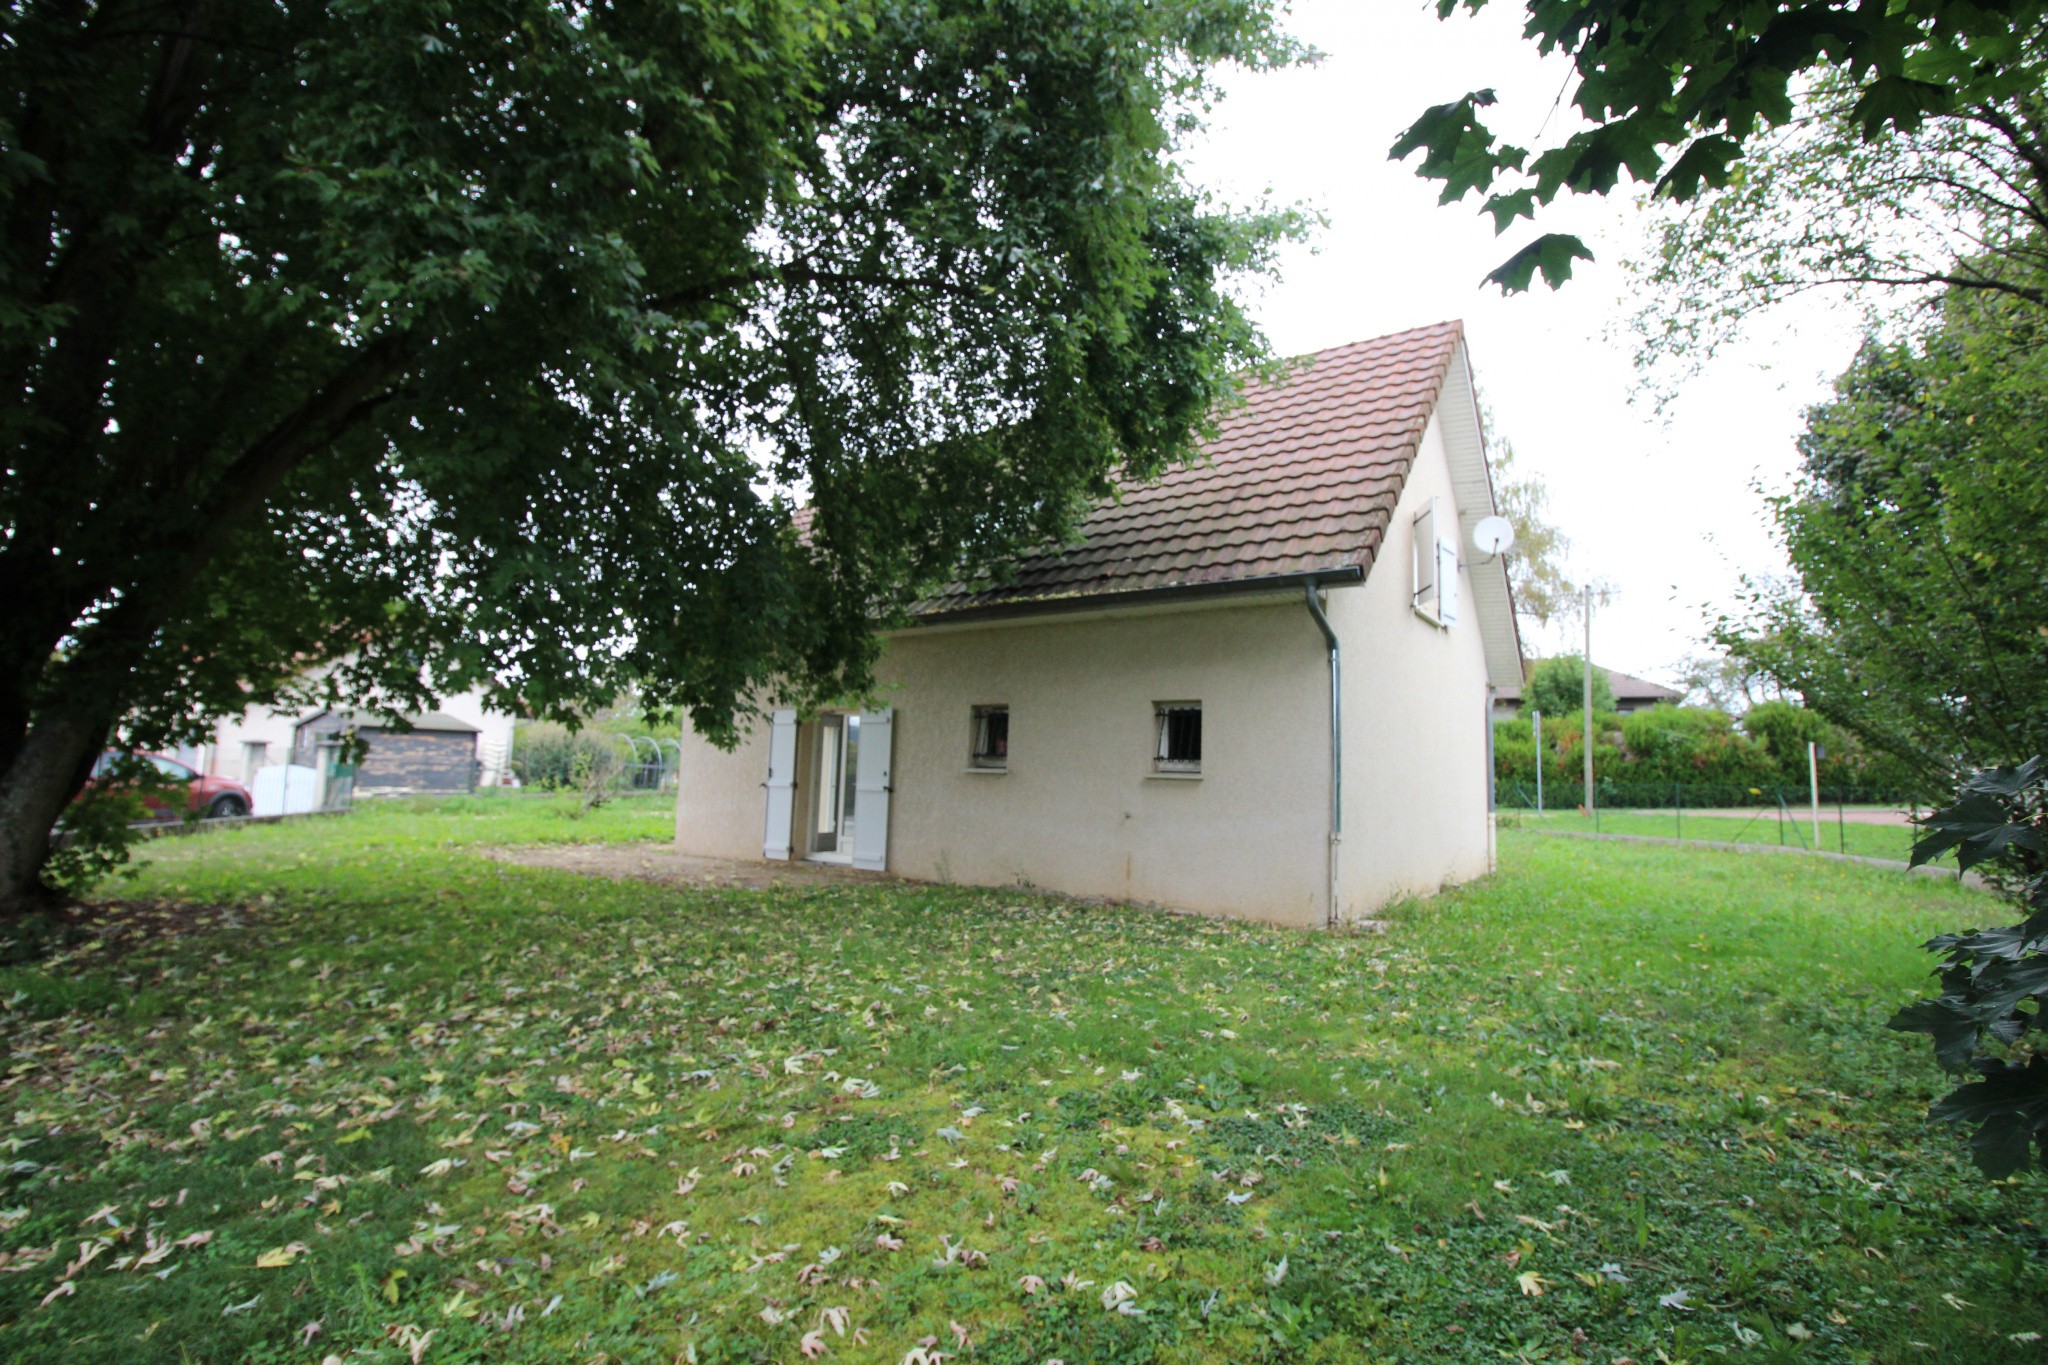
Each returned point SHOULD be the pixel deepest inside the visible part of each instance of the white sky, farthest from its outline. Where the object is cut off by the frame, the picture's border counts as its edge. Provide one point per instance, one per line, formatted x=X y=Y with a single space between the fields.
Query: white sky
x=1664 y=509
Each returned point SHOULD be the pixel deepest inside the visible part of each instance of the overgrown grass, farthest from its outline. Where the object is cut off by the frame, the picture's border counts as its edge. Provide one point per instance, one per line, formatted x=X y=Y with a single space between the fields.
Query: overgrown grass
x=1764 y=827
x=1616 y=1102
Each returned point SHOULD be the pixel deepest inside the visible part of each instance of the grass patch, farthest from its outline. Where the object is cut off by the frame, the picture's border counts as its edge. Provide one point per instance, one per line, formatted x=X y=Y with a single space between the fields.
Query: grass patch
x=404 y=1090
x=1764 y=827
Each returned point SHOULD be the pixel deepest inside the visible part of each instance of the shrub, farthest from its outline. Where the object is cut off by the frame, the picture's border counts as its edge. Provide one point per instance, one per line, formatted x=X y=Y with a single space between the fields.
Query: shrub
x=552 y=757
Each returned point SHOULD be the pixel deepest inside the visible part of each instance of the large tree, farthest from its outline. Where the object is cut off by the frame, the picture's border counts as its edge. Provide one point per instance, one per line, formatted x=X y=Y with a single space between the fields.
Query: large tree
x=458 y=341
x=1916 y=531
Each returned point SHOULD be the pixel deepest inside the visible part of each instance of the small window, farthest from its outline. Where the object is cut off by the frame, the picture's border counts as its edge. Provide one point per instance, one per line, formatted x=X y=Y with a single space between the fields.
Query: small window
x=991 y=747
x=1179 y=747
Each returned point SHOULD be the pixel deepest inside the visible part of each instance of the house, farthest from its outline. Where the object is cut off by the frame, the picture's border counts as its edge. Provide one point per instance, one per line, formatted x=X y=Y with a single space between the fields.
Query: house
x=465 y=739
x=432 y=752
x=1258 y=686
x=1630 y=694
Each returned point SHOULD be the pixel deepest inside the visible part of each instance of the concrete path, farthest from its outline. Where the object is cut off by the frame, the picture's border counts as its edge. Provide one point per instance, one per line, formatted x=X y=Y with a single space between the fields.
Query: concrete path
x=662 y=863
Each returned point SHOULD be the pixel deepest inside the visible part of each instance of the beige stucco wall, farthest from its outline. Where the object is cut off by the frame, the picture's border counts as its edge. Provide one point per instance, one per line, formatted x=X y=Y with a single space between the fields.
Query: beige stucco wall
x=1079 y=810
x=721 y=797
x=1415 y=721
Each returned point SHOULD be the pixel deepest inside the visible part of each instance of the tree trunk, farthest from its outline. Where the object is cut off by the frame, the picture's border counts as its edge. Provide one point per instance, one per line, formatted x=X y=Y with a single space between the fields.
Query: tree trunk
x=48 y=770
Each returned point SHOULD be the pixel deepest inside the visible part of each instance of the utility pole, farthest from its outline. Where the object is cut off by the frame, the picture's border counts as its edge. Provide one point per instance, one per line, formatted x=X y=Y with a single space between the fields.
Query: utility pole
x=1536 y=717
x=1587 y=659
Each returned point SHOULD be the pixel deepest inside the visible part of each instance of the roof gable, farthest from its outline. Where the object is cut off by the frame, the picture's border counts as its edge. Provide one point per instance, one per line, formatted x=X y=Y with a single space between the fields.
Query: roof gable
x=1301 y=478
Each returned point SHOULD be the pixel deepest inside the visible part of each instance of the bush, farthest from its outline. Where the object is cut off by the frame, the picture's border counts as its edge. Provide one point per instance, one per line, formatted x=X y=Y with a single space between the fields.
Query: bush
x=551 y=757
x=1640 y=757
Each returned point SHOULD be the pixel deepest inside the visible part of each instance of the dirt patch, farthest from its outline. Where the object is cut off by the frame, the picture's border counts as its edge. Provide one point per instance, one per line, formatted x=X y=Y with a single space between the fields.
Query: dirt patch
x=663 y=864
x=106 y=931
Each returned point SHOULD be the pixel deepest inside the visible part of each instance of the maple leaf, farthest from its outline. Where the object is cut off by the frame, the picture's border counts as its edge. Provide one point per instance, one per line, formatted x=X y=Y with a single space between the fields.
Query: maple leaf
x=279 y=1257
x=1530 y=1283
x=812 y=1345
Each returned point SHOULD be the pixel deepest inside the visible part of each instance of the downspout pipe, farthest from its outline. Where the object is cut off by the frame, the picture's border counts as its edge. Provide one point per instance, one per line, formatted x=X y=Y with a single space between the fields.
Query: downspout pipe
x=1315 y=611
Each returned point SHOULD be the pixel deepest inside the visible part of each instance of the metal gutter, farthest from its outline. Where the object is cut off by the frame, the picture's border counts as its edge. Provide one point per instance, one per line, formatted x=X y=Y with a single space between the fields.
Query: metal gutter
x=1315 y=610
x=1105 y=601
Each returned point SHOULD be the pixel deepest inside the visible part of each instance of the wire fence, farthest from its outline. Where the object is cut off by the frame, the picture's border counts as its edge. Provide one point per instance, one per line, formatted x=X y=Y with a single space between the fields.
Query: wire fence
x=1520 y=795
x=1841 y=820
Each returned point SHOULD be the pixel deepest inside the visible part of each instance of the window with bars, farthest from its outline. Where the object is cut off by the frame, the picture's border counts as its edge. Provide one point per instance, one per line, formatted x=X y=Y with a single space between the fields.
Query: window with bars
x=1179 y=737
x=991 y=747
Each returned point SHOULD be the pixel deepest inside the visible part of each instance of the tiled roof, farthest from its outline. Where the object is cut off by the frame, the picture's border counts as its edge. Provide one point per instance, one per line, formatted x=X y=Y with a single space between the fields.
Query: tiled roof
x=1624 y=686
x=1303 y=476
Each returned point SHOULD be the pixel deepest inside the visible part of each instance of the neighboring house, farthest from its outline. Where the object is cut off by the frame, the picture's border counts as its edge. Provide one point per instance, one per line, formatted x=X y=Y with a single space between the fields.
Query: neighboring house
x=1630 y=694
x=432 y=752
x=1152 y=713
x=260 y=738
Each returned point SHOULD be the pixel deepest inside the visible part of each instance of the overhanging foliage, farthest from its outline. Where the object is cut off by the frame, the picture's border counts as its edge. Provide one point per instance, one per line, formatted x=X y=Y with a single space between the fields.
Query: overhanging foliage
x=1673 y=93
x=455 y=343
x=1994 y=982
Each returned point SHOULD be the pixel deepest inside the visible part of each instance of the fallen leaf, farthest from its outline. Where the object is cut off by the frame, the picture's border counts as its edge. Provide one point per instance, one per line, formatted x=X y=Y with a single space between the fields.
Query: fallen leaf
x=279 y=1257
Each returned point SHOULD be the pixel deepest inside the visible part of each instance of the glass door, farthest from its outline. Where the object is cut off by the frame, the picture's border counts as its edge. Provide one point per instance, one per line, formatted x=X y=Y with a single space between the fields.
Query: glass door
x=837 y=760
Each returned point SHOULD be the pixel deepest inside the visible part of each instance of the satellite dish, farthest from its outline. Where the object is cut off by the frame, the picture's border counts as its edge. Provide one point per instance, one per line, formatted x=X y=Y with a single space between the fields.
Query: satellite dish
x=1493 y=535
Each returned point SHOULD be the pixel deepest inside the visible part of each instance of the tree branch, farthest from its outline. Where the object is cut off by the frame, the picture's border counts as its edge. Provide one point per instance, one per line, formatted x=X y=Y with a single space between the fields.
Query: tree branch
x=2019 y=291
x=108 y=648
x=801 y=274
x=2029 y=151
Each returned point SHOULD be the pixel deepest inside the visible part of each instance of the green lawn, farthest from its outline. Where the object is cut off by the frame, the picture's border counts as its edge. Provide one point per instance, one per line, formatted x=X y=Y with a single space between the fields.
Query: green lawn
x=1869 y=841
x=390 y=1100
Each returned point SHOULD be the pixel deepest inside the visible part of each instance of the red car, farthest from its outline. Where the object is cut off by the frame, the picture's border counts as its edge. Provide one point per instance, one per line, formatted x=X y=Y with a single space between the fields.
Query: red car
x=214 y=798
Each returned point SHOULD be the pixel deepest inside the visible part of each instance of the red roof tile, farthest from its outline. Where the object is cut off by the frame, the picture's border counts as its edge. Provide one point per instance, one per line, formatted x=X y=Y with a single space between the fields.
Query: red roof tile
x=1303 y=476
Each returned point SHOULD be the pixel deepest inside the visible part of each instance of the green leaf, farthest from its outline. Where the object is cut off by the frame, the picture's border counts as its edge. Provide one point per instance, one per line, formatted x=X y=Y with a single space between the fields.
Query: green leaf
x=1552 y=253
x=1954 y=1033
x=1901 y=103
x=1704 y=163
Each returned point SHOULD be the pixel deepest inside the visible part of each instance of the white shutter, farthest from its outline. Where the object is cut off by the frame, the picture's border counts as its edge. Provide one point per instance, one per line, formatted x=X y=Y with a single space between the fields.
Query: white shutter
x=871 y=790
x=1426 y=558
x=1447 y=581
x=781 y=784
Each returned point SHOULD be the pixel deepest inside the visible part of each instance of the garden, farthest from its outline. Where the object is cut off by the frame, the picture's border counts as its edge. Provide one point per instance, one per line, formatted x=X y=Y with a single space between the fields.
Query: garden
x=356 y=1089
